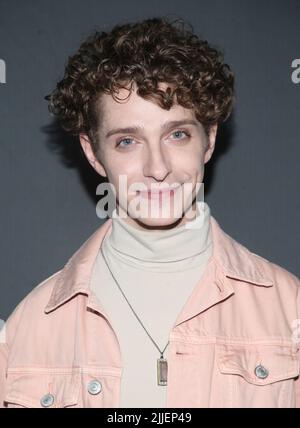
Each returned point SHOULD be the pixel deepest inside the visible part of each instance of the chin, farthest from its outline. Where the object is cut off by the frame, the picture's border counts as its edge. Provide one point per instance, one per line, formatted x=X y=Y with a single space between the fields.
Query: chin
x=158 y=223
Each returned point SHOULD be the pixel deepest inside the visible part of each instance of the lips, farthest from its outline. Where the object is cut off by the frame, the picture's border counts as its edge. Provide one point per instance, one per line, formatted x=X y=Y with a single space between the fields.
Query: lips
x=158 y=193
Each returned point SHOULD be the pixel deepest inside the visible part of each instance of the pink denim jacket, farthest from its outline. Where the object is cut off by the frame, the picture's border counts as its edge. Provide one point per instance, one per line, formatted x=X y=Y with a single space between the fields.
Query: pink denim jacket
x=234 y=344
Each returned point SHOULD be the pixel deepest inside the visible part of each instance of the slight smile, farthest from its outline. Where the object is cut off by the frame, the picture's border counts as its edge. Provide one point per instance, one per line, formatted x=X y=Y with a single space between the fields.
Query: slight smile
x=158 y=193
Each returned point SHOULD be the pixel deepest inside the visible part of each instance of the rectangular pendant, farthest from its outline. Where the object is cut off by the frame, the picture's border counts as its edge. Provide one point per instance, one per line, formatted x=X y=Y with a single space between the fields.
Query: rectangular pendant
x=162 y=371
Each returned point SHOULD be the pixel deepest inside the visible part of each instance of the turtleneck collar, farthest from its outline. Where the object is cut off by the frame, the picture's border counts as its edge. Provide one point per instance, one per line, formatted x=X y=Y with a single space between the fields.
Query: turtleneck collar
x=161 y=246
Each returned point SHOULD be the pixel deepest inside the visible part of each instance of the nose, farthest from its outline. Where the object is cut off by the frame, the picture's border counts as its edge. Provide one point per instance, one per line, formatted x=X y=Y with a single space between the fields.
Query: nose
x=156 y=164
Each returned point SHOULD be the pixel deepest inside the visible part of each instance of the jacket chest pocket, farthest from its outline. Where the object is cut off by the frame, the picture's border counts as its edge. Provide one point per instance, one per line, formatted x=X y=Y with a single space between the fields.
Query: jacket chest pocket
x=68 y=387
x=258 y=375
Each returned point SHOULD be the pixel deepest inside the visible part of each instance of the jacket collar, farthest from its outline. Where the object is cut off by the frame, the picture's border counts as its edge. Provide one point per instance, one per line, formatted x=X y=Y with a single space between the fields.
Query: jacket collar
x=229 y=257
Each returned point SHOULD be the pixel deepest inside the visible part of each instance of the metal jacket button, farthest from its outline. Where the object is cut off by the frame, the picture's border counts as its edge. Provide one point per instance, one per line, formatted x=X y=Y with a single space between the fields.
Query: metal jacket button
x=47 y=400
x=261 y=372
x=94 y=387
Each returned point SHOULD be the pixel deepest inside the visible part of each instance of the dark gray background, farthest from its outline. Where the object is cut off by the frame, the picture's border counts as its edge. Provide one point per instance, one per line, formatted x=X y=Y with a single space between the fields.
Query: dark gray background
x=48 y=192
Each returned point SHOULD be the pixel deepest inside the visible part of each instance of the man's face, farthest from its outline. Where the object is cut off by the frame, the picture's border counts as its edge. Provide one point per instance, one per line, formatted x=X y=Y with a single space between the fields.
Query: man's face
x=158 y=154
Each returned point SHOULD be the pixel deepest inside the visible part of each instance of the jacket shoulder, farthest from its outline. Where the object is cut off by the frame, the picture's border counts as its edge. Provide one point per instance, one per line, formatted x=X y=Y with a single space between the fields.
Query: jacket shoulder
x=34 y=302
x=277 y=273
x=240 y=260
x=275 y=269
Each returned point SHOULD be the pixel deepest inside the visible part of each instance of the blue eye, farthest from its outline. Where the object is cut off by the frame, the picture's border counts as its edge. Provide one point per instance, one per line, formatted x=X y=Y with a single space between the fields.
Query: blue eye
x=181 y=132
x=124 y=139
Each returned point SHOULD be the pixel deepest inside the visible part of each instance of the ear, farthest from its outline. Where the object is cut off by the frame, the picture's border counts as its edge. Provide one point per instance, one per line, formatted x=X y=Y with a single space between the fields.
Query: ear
x=211 y=143
x=89 y=153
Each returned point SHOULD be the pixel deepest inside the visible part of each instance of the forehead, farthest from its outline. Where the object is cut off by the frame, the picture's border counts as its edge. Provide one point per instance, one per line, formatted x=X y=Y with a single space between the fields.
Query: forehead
x=131 y=107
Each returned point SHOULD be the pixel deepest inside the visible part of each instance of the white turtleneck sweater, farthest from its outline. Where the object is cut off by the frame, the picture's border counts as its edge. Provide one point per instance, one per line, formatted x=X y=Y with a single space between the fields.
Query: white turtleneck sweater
x=157 y=270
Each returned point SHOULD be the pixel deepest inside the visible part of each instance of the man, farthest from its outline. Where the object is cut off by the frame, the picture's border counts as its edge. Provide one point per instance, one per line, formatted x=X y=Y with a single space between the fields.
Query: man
x=159 y=307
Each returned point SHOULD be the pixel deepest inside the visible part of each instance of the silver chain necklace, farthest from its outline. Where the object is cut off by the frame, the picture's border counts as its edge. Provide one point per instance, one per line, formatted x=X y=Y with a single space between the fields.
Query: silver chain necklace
x=162 y=363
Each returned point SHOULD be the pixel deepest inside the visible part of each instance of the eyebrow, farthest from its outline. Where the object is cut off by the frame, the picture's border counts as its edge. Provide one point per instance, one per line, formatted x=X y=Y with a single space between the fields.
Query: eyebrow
x=166 y=125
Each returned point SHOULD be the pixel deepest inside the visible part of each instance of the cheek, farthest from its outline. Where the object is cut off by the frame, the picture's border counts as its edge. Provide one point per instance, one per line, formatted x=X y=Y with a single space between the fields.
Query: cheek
x=192 y=166
x=116 y=168
x=125 y=180
x=192 y=157
x=122 y=164
x=197 y=162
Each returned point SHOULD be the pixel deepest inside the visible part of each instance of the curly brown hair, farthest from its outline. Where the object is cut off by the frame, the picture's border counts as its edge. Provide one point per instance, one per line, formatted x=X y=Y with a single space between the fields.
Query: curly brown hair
x=145 y=53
